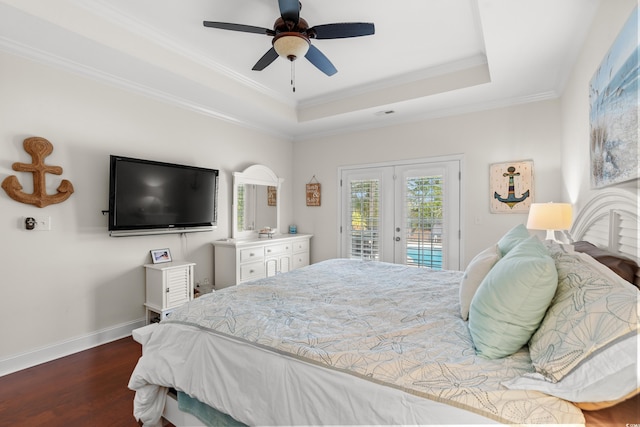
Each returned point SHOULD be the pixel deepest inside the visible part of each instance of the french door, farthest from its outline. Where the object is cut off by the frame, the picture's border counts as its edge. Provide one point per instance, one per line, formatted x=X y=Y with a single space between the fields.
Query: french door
x=403 y=213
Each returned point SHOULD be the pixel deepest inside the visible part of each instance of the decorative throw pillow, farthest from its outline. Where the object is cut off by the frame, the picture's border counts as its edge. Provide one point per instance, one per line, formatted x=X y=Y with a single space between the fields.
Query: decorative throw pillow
x=475 y=272
x=512 y=300
x=514 y=236
x=593 y=308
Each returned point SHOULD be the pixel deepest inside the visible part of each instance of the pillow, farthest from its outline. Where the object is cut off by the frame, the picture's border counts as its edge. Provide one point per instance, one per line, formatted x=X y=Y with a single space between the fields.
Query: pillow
x=555 y=246
x=610 y=376
x=512 y=300
x=623 y=267
x=514 y=236
x=593 y=309
x=475 y=272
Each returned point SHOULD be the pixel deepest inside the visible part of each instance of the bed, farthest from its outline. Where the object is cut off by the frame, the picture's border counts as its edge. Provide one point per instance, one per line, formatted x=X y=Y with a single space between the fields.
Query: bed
x=346 y=342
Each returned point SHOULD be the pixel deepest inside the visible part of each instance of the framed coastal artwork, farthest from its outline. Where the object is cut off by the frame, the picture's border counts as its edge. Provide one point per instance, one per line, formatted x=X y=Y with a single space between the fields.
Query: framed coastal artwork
x=511 y=186
x=613 y=115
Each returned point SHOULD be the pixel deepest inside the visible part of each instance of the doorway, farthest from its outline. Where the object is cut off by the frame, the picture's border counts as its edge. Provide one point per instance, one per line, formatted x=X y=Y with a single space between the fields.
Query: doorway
x=404 y=213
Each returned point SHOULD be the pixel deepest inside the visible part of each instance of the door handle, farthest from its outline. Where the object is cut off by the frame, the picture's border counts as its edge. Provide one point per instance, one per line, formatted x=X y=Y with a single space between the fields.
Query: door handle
x=397 y=239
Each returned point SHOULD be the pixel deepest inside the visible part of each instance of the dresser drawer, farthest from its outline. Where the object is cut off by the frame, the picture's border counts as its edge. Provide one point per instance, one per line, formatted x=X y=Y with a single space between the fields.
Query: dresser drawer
x=301 y=246
x=254 y=270
x=272 y=250
x=300 y=260
x=251 y=254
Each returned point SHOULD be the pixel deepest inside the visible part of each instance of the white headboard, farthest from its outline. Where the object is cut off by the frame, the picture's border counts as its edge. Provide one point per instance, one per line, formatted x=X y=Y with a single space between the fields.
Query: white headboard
x=610 y=221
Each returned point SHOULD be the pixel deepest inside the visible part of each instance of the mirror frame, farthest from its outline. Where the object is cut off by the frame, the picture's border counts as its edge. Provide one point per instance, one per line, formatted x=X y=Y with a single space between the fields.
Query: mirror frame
x=257 y=175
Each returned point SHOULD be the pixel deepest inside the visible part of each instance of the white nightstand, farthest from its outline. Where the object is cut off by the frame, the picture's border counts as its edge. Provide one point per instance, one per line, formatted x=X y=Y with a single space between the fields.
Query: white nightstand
x=168 y=286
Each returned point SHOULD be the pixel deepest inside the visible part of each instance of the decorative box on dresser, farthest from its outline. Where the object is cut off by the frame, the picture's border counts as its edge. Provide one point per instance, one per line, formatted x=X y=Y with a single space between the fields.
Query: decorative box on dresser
x=241 y=260
x=168 y=286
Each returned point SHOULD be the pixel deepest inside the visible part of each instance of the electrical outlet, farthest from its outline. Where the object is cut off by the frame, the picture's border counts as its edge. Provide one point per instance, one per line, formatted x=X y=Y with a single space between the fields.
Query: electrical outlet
x=205 y=281
x=41 y=223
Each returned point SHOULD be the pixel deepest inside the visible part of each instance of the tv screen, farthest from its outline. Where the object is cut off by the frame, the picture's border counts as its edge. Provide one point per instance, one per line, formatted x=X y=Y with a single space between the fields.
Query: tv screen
x=160 y=197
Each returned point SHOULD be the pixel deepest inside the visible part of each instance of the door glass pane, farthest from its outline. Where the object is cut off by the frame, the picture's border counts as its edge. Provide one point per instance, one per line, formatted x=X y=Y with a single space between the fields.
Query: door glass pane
x=365 y=219
x=424 y=221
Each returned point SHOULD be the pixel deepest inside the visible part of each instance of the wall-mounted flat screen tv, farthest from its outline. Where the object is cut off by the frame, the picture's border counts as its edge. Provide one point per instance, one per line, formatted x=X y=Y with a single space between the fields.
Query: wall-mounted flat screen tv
x=150 y=197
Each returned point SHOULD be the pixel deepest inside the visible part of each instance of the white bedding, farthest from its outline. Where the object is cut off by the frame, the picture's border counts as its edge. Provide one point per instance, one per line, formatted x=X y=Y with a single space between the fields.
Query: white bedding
x=338 y=342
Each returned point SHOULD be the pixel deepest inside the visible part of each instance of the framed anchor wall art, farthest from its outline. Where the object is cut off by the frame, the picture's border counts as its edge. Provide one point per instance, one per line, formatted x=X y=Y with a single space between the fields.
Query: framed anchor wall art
x=39 y=148
x=511 y=186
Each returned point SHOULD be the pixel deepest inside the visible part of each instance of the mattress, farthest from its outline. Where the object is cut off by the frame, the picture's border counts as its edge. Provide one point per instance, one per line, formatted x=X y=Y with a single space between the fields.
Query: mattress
x=338 y=342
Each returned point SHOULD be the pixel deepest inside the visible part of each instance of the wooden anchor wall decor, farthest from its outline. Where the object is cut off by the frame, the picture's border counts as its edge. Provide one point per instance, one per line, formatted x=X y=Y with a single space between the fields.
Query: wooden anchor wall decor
x=39 y=148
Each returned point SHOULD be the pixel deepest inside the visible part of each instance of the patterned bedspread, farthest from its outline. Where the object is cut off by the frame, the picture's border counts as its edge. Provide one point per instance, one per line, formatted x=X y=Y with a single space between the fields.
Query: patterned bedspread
x=386 y=323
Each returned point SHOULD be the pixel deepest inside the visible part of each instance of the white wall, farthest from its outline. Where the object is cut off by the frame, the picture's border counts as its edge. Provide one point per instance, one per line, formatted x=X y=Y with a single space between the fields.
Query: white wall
x=524 y=132
x=575 y=102
x=555 y=134
x=75 y=280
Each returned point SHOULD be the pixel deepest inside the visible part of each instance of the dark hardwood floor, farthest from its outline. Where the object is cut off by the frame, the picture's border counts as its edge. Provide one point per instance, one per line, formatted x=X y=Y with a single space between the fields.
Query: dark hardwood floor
x=84 y=389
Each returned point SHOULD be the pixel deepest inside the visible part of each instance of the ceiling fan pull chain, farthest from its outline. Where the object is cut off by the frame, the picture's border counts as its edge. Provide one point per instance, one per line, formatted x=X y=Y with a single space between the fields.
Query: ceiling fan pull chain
x=293 y=75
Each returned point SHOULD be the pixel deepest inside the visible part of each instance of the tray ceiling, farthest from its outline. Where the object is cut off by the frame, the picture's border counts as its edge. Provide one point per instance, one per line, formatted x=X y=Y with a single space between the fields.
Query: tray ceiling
x=428 y=58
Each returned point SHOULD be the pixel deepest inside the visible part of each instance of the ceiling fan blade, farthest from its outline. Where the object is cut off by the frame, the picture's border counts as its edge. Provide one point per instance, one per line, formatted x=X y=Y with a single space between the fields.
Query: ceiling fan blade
x=239 y=27
x=266 y=60
x=290 y=10
x=342 y=30
x=321 y=62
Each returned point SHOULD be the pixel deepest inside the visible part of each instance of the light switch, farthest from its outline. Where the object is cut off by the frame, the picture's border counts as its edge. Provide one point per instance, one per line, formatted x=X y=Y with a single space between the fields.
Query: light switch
x=37 y=223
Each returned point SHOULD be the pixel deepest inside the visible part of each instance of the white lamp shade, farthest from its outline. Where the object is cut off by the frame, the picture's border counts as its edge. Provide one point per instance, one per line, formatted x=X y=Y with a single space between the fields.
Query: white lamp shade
x=291 y=45
x=550 y=216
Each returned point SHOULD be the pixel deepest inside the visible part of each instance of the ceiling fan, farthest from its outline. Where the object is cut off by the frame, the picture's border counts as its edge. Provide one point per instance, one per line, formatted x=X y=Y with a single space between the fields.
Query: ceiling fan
x=291 y=37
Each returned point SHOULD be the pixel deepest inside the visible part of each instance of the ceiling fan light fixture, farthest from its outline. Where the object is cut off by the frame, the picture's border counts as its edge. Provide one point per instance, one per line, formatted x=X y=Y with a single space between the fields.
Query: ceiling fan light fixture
x=291 y=45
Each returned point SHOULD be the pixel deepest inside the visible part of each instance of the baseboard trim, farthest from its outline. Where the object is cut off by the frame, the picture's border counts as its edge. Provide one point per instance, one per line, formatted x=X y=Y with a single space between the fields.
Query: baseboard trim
x=46 y=354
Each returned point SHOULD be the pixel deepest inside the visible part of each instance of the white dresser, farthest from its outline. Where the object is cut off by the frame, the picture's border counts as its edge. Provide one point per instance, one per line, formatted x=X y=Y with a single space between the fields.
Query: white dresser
x=241 y=260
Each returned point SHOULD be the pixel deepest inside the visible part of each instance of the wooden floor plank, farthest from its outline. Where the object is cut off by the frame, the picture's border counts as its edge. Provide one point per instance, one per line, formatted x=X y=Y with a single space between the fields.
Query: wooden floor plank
x=84 y=389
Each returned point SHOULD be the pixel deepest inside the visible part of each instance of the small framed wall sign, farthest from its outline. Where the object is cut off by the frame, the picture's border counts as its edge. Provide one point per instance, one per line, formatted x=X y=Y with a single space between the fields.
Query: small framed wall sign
x=159 y=256
x=272 y=195
x=313 y=192
x=511 y=186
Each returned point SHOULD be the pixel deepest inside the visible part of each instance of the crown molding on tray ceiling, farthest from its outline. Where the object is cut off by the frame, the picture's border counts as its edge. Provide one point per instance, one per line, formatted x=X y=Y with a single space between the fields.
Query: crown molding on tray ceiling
x=135 y=26
x=30 y=53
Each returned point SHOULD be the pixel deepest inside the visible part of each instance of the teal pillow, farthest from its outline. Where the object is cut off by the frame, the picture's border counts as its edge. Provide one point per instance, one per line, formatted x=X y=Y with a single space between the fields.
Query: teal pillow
x=512 y=300
x=511 y=239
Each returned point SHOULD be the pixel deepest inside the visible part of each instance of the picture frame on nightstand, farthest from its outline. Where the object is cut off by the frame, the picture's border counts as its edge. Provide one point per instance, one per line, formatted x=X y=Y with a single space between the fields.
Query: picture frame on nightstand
x=159 y=256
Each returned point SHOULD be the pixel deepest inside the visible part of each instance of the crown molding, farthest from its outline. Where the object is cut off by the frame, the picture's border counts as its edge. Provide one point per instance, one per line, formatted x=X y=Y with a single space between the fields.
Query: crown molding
x=47 y=58
x=115 y=16
x=395 y=120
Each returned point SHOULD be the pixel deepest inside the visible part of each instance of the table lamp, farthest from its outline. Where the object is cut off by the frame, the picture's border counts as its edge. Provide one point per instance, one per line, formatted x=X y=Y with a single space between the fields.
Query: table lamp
x=550 y=217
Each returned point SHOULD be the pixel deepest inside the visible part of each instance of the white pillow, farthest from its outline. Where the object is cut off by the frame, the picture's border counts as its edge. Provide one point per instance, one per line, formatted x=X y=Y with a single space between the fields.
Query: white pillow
x=476 y=271
x=608 y=375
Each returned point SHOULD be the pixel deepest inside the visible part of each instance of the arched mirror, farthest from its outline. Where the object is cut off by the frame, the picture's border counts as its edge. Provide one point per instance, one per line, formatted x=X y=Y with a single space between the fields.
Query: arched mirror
x=256 y=201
